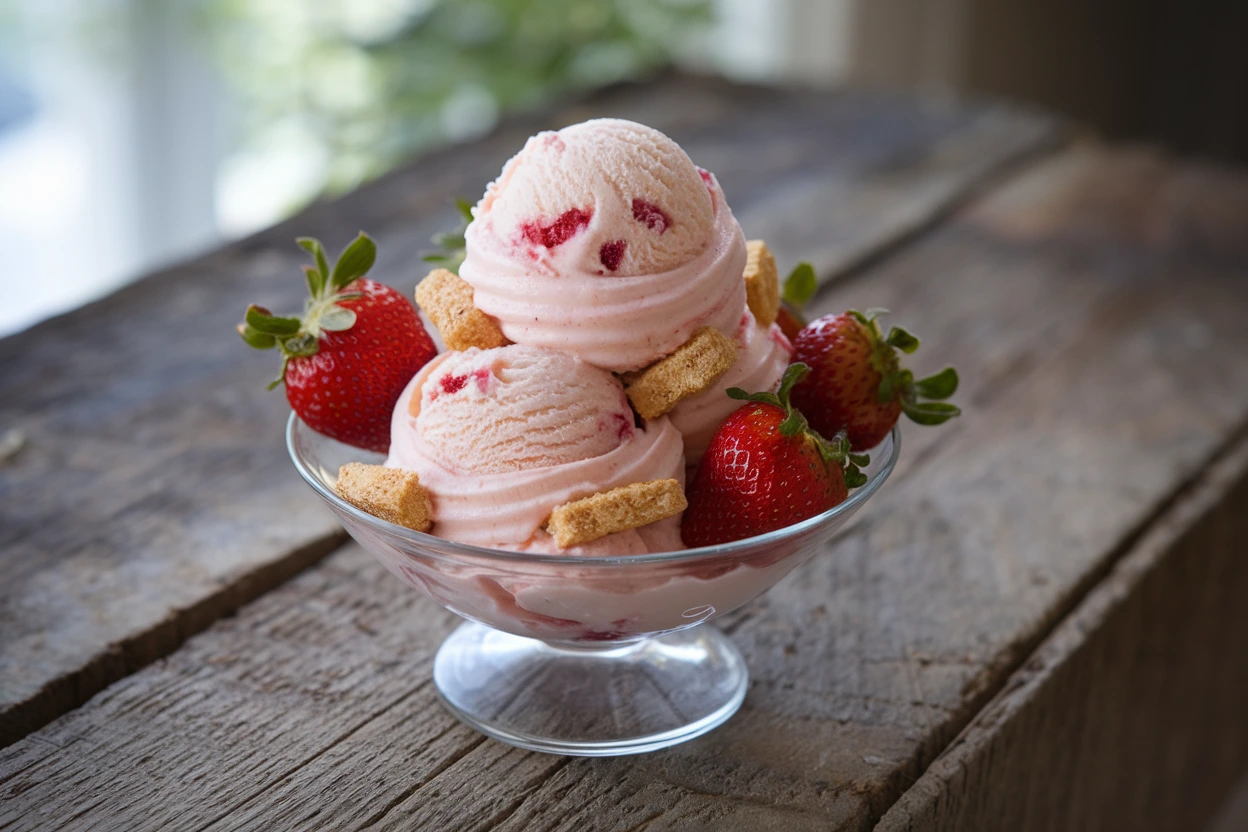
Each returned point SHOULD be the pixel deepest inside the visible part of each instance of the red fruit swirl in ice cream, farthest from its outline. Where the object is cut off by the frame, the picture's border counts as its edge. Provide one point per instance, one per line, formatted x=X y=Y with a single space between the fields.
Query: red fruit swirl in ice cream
x=650 y=215
x=612 y=253
x=558 y=231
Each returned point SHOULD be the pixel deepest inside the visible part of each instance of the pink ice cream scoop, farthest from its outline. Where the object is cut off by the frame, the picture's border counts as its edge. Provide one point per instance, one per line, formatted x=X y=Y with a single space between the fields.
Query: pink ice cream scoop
x=502 y=436
x=604 y=240
x=512 y=409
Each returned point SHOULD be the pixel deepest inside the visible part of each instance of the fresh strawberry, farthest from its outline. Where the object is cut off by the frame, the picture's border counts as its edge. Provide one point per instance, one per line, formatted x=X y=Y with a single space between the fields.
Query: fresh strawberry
x=766 y=469
x=857 y=383
x=348 y=358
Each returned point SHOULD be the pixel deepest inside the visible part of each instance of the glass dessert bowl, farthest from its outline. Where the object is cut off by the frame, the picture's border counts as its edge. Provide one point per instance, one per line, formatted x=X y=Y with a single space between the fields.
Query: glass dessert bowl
x=585 y=656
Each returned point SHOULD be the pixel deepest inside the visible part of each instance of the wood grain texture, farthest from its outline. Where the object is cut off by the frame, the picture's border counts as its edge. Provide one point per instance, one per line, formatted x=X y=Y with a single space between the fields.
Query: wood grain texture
x=1232 y=815
x=1095 y=306
x=153 y=495
x=1131 y=714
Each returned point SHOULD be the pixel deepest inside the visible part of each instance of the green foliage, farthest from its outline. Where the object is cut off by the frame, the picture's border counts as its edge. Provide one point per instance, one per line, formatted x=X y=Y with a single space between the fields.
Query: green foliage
x=800 y=286
x=373 y=81
x=452 y=248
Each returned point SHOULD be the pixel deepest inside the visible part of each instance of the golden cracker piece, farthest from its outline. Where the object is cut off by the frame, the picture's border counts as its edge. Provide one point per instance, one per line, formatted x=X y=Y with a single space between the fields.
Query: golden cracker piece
x=607 y=512
x=762 y=283
x=693 y=367
x=389 y=493
x=447 y=299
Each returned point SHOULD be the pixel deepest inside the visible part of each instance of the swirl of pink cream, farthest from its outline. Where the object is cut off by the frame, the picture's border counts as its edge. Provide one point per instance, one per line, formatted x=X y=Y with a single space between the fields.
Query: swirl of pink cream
x=762 y=355
x=619 y=323
x=507 y=510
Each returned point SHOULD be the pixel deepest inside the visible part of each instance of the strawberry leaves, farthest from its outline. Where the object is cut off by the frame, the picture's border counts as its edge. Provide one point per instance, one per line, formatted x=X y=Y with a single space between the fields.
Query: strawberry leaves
x=920 y=400
x=300 y=337
x=257 y=339
x=354 y=262
x=261 y=329
x=835 y=451
x=263 y=320
x=838 y=452
x=800 y=286
x=930 y=413
x=452 y=247
x=317 y=274
x=940 y=386
x=902 y=340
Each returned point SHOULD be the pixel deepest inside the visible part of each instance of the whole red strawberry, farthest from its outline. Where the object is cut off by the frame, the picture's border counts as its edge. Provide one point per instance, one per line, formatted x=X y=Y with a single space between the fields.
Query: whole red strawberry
x=766 y=469
x=348 y=358
x=857 y=383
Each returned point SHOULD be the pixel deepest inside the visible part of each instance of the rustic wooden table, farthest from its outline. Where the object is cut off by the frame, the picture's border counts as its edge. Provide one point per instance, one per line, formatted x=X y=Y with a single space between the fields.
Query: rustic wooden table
x=1039 y=624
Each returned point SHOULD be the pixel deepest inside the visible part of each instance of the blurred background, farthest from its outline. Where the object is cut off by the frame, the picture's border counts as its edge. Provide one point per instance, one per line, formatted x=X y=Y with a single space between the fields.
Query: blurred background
x=137 y=132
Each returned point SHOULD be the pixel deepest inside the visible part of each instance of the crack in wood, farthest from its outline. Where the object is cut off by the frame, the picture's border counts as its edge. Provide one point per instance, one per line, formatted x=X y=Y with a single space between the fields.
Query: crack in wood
x=286 y=775
x=434 y=773
x=132 y=654
x=526 y=792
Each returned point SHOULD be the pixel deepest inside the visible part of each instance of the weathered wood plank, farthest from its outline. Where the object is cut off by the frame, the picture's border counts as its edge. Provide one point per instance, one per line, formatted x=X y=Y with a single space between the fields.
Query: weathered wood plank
x=1131 y=714
x=153 y=495
x=1096 y=307
x=362 y=731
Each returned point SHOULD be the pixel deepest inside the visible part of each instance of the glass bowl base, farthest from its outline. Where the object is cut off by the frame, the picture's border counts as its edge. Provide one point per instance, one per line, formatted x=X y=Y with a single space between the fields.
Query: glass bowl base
x=598 y=701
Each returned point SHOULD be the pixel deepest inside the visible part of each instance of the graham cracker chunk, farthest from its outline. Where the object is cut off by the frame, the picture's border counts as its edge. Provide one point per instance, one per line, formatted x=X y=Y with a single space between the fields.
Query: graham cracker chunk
x=389 y=493
x=447 y=299
x=607 y=512
x=762 y=283
x=694 y=366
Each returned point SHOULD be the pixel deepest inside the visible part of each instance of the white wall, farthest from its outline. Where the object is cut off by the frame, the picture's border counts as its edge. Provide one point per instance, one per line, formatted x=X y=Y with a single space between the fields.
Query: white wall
x=116 y=171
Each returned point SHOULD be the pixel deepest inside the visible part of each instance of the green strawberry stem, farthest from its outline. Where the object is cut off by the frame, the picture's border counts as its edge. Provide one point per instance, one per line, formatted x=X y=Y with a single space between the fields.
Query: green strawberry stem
x=296 y=337
x=835 y=451
x=921 y=400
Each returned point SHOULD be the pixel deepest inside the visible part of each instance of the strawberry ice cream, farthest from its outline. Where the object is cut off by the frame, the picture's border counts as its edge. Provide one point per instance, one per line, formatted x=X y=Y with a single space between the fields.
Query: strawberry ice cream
x=605 y=241
x=502 y=436
x=501 y=410
x=605 y=304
